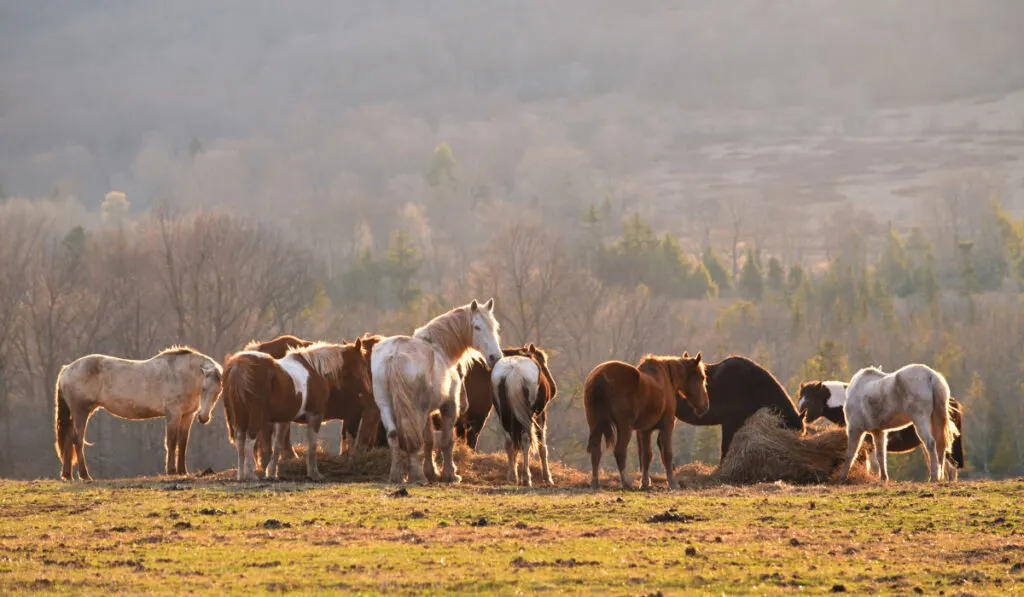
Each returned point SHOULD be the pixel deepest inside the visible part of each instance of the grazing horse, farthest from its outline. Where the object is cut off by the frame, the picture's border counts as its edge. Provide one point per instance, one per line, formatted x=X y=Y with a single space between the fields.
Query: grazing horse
x=916 y=395
x=827 y=399
x=522 y=387
x=295 y=388
x=620 y=398
x=737 y=388
x=416 y=375
x=174 y=384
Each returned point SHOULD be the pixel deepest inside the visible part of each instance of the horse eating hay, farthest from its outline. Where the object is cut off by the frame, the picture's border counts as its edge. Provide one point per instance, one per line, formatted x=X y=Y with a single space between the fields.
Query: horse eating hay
x=175 y=384
x=916 y=394
x=416 y=375
x=619 y=398
x=522 y=388
x=827 y=399
x=259 y=389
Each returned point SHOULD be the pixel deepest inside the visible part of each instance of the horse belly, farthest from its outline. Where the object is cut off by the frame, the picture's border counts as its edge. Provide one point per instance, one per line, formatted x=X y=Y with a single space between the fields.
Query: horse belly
x=129 y=409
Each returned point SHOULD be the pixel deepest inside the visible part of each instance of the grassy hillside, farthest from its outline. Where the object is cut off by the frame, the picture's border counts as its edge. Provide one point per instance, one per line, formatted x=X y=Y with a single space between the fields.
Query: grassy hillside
x=172 y=537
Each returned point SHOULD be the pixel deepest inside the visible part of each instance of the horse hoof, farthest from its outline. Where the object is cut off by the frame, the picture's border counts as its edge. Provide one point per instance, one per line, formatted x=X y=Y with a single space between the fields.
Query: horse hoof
x=452 y=478
x=550 y=481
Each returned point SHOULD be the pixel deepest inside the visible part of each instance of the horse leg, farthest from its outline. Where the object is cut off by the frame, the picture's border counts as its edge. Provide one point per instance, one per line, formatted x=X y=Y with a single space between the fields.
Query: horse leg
x=527 y=445
x=596 y=441
x=510 y=450
x=367 y=435
x=853 y=439
x=249 y=465
x=622 y=434
x=881 y=444
x=312 y=431
x=81 y=419
x=643 y=446
x=728 y=430
x=68 y=457
x=667 y=460
x=184 y=429
x=448 y=470
x=429 y=465
x=388 y=419
x=277 y=448
x=240 y=448
x=923 y=425
x=543 y=449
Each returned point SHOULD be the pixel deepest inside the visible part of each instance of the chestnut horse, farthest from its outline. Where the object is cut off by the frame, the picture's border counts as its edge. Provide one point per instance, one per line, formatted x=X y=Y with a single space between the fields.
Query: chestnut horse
x=523 y=386
x=259 y=388
x=620 y=397
x=175 y=384
x=416 y=375
x=276 y=348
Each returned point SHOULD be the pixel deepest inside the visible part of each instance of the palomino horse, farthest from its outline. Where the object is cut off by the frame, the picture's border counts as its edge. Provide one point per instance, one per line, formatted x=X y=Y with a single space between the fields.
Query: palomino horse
x=259 y=388
x=620 y=397
x=914 y=395
x=414 y=376
x=522 y=388
x=827 y=398
x=737 y=388
x=174 y=384
x=352 y=410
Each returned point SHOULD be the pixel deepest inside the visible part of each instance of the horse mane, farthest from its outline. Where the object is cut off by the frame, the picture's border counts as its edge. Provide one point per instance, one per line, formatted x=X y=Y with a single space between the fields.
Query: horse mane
x=658 y=358
x=325 y=358
x=449 y=331
x=176 y=349
x=252 y=345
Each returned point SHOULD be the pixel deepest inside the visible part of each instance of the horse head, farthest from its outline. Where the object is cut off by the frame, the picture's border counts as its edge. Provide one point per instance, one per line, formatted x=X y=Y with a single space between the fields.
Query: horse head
x=485 y=331
x=212 y=385
x=691 y=381
x=355 y=370
x=821 y=399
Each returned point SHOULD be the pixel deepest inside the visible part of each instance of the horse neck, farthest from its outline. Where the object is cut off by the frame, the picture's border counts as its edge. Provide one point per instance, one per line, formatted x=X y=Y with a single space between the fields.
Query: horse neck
x=449 y=334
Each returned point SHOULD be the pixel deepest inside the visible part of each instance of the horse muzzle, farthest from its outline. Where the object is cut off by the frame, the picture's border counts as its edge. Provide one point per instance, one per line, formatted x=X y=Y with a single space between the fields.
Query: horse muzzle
x=204 y=420
x=492 y=360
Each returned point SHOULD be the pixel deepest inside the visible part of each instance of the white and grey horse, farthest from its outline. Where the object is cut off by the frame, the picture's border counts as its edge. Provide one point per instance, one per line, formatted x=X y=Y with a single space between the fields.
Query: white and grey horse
x=176 y=384
x=416 y=375
x=916 y=395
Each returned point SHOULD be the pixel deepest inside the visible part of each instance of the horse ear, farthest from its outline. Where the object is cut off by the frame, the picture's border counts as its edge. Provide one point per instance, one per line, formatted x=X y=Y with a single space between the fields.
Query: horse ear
x=474 y=306
x=697 y=358
x=490 y=304
x=686 y=354
x=530 y=347
x=359 y=343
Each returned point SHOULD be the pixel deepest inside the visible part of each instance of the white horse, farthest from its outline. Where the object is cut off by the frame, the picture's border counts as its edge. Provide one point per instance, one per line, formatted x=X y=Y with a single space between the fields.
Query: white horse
x=415 y=376
x=174 y=384
x=914 y=395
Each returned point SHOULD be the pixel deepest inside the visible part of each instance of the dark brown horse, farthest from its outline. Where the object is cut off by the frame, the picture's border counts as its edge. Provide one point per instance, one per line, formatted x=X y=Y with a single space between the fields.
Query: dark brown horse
x=737 y=388
x=620 y=398
x=351 y=409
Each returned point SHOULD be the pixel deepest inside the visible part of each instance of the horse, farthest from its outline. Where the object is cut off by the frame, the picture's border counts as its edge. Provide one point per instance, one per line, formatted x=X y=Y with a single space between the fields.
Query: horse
x=176 y=384
x=351 y=410
x=476 y=384
x=416 y=375
x=259 y=388
x=277 y=348
x=522 y=387
x=916 y=395
x=826 y=399
x=619 y=397
x=737 y=388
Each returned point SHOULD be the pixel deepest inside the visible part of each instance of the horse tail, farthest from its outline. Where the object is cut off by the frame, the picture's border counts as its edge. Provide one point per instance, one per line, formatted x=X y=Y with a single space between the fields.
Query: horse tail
x=409 y=424
x=956 y=414
x=63 y=425
x=236 y=379
x=942 y=412
x=598 y=409
x=515 y=407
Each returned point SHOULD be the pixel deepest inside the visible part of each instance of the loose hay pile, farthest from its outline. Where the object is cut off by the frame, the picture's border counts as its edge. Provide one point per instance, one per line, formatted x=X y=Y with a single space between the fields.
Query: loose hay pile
x=762 y=451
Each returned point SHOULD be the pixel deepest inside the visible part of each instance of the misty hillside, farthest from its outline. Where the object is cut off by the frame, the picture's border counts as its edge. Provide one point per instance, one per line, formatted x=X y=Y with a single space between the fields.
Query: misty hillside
x=314 y=96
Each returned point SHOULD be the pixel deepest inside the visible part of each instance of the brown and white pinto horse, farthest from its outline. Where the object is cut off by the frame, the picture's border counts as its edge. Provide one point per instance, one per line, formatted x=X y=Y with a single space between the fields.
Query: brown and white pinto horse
x=351 y=409
x=522 y=388
x=619 y=398
x=296 y=388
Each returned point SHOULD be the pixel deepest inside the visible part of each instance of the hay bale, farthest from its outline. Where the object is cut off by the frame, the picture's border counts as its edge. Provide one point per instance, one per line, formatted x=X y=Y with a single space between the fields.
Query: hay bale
x=762 y=451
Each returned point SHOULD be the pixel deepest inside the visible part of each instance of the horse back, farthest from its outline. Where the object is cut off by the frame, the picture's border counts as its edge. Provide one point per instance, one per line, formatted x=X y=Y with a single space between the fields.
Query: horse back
x=737 y=388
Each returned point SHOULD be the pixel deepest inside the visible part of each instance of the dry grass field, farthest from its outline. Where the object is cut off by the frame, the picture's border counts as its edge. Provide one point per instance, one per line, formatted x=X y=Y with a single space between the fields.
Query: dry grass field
x=211 y=535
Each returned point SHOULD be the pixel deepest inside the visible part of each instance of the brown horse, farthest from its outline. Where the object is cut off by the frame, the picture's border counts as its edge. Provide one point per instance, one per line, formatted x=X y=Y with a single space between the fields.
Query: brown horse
x=351 y=409
x=620 y=397
x=260 y=389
